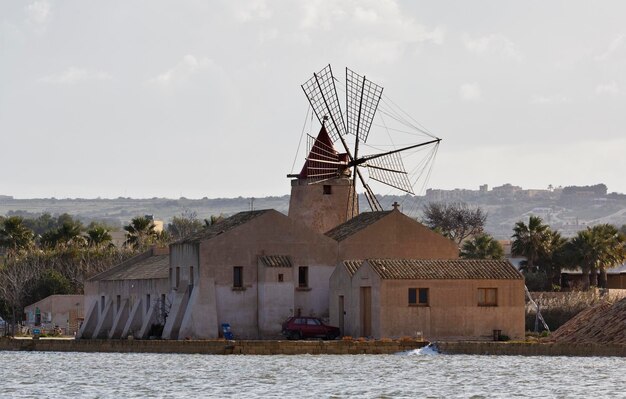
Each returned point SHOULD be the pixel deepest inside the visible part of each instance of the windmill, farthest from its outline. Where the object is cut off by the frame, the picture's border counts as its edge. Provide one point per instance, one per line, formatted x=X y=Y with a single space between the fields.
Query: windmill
x=324 y=163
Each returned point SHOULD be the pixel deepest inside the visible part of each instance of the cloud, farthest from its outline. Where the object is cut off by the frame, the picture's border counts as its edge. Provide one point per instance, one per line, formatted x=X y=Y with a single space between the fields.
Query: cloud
x=38 y=12
x=183 y=71
x=611 y=89
x=470 y=92
x=614 y=46
x=554 y=99
x=497 y=44
x=252 y=11
x=74 y=75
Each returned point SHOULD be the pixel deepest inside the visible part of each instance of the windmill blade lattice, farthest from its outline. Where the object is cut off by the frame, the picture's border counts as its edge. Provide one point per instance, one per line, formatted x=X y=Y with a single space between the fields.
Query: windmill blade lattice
x=321 y=92
x=362 y=98
x=389 y=170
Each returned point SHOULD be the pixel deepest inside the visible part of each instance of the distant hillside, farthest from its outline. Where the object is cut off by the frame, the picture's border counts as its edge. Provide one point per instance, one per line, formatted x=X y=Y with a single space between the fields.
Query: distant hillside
x=567 y=210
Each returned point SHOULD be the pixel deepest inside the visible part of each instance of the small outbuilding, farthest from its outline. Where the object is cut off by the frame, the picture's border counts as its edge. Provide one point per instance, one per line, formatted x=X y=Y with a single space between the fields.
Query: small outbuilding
x=62 y=312
x=437 y=299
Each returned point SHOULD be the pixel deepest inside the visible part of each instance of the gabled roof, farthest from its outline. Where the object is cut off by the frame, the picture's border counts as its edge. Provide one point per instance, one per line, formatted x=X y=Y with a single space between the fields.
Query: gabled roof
x=355 y=224
x=223 y=226
x=141 y=267
x=275 y=260
x=454 y=269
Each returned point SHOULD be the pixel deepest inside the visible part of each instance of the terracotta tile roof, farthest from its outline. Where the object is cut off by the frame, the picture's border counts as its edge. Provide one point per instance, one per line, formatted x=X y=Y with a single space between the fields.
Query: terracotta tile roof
x=275 y=260
x=430 y=269
x=352 y=266
x=152 y=267
x=355 y=224
x=223 y=226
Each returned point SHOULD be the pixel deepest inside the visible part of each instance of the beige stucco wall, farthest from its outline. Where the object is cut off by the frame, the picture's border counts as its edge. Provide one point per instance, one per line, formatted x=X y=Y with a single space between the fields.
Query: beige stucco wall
x=453 y=311
x=321 y=212
x=61 y=308
x=250 y=311
x=397 y=236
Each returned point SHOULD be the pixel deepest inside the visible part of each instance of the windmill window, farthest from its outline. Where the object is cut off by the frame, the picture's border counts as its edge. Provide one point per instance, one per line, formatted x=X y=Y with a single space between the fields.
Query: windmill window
x=418 y=297
x=487 y=297
x=238 y=277
x=328 y=189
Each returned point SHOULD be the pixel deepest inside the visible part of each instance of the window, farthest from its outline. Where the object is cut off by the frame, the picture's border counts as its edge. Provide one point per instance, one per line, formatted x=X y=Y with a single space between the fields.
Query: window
x=312 y=322
x=281 y=277
x=418 y=296
x=238 y=277
x=147 y=303
x=303 y=276
x=327 y=189
x=118 y=303
x=102 y=304
x=487 y=297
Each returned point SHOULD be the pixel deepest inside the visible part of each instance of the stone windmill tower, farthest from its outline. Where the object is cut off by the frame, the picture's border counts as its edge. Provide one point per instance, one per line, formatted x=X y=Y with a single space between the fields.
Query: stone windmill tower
x=324 y=193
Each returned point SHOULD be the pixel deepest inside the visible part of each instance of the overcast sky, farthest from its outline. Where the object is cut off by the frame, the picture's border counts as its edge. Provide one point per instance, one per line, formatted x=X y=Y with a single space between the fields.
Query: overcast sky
x=203 y=98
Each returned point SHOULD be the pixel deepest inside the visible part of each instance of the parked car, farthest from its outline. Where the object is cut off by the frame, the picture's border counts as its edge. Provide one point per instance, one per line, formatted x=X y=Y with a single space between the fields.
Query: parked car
x=299 y=327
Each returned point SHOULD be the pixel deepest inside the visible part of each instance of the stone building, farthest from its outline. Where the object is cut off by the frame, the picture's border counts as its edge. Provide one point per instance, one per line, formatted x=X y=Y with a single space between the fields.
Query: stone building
x=438 y=299
x=129 y=298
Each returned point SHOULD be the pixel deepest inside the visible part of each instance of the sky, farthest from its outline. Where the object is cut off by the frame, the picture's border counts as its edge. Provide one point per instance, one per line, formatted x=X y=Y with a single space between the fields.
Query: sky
x=200 y=99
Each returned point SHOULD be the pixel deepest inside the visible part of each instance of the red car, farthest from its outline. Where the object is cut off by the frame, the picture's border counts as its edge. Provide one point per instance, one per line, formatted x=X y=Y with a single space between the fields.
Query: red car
x=298 y=327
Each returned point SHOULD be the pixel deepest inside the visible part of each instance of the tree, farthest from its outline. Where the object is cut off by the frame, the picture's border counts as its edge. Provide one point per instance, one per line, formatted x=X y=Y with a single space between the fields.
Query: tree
x=16 y=278
x=140 y=233
x=98 y=237
x=67 y=234
x=14 y=235
x=610 y=249
x=530 y=241
x=456 y=221
x=482 y=246
x=554 y=257
x=184 y=225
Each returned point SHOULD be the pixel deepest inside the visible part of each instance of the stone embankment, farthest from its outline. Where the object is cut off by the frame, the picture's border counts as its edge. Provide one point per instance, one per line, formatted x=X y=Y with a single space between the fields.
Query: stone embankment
x=529 y=349
x=215 y=347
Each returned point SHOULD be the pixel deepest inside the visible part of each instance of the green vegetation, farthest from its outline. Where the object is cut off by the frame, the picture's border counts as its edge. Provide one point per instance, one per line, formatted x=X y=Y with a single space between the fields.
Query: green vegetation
x=483 y=246
x=593 y=250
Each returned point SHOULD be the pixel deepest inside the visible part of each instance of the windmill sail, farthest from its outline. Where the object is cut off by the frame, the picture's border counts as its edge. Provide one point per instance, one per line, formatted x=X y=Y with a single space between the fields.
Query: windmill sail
x=321 y=92
x=362 y=98
x=323 y=161
x=389 y=170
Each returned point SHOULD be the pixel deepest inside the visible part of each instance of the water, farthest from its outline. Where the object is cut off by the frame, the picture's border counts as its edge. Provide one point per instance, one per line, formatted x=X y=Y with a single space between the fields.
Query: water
x=419 y=373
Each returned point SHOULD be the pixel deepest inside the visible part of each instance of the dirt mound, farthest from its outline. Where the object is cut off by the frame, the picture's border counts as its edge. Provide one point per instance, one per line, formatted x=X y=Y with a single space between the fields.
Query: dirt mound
x=601 y=324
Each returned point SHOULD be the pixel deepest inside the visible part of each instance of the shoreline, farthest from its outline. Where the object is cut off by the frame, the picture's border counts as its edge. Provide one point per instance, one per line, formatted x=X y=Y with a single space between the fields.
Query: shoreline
x=214 y=347
x=337 y=347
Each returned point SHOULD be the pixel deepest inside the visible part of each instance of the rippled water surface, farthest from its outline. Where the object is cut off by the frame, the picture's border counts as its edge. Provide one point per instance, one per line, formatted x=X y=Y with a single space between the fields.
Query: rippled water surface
x=410 y=375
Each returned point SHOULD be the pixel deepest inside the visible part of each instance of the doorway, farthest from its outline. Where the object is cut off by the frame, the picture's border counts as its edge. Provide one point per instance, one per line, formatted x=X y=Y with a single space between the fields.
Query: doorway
x=366 y=311
x=341 y=312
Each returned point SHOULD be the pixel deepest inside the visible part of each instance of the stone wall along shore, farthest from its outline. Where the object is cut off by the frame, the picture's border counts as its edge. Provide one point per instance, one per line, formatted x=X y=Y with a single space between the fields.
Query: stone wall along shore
x=215 y=347
x=529 y=349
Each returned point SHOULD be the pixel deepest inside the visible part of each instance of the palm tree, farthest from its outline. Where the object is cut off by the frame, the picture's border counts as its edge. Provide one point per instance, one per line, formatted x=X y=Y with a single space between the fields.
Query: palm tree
x=583 y=249
x=482 y=246
x=530 y=241
x=611 y=249
x=98 y=236
x=140 y=232
x=555 y=257
x=14 y=235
